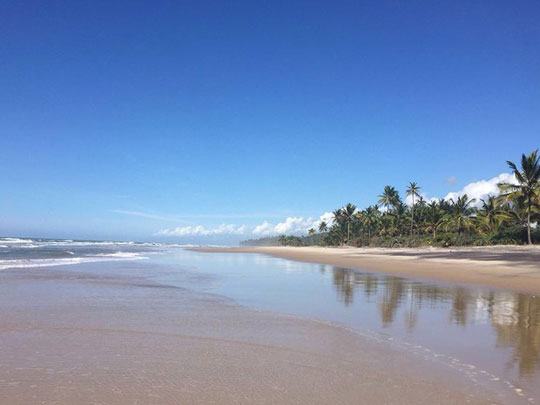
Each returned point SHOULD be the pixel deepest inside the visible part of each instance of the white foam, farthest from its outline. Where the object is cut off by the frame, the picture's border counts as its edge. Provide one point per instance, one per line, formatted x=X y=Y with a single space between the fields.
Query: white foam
x=126 y=255
x=31 y=243
x=28 y=263
x=15 y=240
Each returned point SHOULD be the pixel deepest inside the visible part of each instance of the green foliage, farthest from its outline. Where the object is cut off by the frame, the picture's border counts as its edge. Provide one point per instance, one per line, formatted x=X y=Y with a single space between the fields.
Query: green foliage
x=270 y=241
x=291 y=240
x=507 y=219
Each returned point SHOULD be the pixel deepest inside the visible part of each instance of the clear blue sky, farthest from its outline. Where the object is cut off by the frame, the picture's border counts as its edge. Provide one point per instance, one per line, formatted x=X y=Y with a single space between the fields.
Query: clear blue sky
x=207 y=113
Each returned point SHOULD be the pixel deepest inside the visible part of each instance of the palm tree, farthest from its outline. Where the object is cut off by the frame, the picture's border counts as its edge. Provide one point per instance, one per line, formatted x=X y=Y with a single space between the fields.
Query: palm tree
x=413 y=191
x=397 y=214
x=338 y=217
x=339 y=221
x=369 y=219
x=491 y=216
x=389 y=197
x=528 y=186
x=311 y=231
x=323 y=227
x=347 y=214
x=434 y=215
x=461 y=213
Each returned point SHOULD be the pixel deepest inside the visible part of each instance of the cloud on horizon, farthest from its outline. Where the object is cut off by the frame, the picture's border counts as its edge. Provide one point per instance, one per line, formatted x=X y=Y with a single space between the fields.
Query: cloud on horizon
x=299 y=225
x=290 y=226
x=199 y=230
x=481 y=190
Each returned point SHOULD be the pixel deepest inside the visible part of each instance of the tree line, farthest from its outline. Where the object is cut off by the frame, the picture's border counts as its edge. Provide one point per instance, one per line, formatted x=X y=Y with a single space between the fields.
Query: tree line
x=509 y=218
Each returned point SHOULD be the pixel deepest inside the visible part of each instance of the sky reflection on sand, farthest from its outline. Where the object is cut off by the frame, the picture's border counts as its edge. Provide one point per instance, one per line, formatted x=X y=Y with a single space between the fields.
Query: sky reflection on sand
x=496 y=330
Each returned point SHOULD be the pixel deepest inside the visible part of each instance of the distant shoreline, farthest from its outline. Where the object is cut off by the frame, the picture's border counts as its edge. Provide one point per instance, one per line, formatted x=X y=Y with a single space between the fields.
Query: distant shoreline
x=515 y=268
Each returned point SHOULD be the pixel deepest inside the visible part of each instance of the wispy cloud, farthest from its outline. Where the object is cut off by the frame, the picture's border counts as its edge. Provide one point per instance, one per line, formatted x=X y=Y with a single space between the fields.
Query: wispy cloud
x=186 y=217
x=148 y=215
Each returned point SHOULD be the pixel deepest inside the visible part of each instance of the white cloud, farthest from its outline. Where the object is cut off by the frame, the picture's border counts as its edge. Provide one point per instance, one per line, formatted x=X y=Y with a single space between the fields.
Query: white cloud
x=478 y=190
x=408 y=200
x=327 y=217
x=199 y=230
x=263 y=229
x=292 y=225
x=482 y=189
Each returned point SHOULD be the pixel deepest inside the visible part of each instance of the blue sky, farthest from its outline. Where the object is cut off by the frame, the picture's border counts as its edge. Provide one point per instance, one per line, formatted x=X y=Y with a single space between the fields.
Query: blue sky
x=121 y=119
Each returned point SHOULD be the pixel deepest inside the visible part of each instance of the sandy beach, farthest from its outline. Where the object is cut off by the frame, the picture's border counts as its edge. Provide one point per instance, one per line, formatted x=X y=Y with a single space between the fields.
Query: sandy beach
x=515 y=268
x=105 y=333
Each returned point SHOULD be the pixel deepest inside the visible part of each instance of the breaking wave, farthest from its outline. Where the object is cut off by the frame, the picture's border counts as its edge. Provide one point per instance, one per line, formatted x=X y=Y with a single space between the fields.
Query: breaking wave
x=27 y=263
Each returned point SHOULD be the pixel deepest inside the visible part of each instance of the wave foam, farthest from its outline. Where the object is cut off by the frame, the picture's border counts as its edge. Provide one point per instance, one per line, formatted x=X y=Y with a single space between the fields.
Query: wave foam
x=29 y=263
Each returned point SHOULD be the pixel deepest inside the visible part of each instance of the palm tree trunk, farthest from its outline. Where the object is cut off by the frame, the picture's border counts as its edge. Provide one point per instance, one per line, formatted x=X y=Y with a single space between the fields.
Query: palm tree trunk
x=348 y=233
x=412 y=216
x=529 y=224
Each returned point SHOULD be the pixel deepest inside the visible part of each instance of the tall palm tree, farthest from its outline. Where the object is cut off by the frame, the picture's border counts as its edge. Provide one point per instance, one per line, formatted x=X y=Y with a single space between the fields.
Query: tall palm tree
x=347 y=214
x=323 y=227
x=413 y=190
x=528 y=179
x=339 y=221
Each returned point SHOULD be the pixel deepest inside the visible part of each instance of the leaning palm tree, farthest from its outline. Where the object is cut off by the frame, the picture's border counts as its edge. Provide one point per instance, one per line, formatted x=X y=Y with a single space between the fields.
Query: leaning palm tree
x=528 y=184
x=413 y=190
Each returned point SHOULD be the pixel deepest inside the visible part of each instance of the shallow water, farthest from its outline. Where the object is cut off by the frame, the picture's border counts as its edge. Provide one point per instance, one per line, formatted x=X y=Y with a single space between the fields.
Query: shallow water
x=493 y=336
x=33 y=252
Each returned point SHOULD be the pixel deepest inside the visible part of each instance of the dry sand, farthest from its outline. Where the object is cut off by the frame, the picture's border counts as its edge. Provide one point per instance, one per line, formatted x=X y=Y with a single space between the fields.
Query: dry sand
x=97 y=333
x=514 y=268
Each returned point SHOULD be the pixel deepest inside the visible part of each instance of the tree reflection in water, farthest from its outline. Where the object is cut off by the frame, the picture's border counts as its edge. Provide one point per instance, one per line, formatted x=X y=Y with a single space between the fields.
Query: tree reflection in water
x=515 y=317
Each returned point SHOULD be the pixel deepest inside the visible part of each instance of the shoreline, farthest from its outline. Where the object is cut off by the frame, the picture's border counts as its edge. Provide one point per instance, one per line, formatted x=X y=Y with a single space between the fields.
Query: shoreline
x=515 y=268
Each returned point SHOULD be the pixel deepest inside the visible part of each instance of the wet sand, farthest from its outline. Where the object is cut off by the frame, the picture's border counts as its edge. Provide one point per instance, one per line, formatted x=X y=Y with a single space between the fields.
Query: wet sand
x=515 y=268
x=105 y=333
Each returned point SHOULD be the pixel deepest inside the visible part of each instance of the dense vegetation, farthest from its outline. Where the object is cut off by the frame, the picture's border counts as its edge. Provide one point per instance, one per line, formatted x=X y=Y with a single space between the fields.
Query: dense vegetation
x=509 y=218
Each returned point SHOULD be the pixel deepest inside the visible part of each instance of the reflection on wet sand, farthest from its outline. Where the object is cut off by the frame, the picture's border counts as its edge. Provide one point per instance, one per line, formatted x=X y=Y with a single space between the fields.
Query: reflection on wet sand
x=514 y=316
